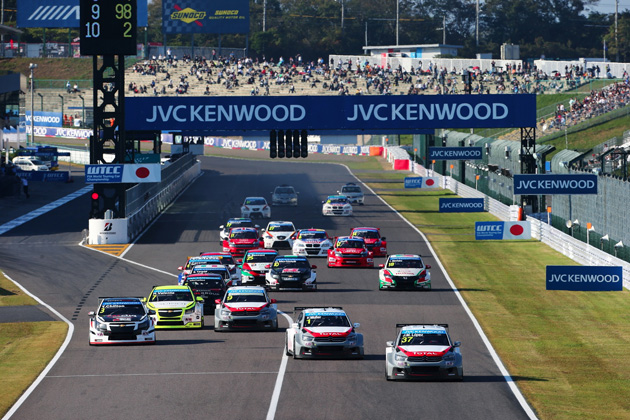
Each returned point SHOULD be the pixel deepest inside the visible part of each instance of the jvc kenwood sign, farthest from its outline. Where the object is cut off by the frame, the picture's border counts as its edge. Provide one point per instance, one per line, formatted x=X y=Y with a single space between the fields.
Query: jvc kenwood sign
x=461 y=205
x=357 y=113
x=584 y=278
x=543 y=184
x=455 y=153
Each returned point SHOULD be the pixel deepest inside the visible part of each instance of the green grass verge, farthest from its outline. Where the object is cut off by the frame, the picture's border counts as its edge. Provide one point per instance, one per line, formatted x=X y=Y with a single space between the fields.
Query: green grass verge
x=11 y=295
x=567 y=351
x=25 y=350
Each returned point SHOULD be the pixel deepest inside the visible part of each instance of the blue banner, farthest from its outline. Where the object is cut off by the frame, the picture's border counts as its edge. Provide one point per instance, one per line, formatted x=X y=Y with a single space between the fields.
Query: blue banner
x=44 y=119
x=461 y=205
x=202 y=16
x=543 y=184
x=48 y=176
x=455 y=153
x=355 y=113
x=502 y=230
x=584 y=278
x=61 y=13
x=422 y=182
x=413 y=182
x=126 y=174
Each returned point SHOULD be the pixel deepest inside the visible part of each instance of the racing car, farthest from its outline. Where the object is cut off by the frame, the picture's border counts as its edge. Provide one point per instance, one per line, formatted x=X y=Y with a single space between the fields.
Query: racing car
x=209 y=286
x=373 y=240
x=323 y=332
x=291 y=272
x=278 y=234
x=423 y=351
x=256 y=207
x=224 y=231
x=404 y=271
x=311 y=243
x=121 y=320
x=349 y=252
x=353 y=192
x=191 y=262
x=240 y=240
x=246 y=308
x=284 y=194
x=219 y=269
x=227 y=260
x=256 y=263
x=336 y=205
x=175 y=307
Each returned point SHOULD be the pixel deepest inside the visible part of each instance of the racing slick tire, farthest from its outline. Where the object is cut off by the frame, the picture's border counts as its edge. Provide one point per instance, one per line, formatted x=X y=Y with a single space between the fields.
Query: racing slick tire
x=295 y=353
x=275 y=326
x=202 y=323
x=389 y=378
x=286 y=346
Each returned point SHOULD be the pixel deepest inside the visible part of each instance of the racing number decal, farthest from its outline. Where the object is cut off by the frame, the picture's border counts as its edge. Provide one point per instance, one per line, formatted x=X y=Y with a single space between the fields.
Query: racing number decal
x=229 y=297
x=276 y=264
x=407 y=339
x=249 y=258
x=391 y=264
x=102 y=310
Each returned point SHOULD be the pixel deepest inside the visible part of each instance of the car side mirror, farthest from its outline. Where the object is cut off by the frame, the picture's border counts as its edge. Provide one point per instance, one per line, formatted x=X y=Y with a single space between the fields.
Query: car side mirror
x=427 y=266
x=91 y=314
x=356 y=325
x=268 y=266
x=262 y=230
x=199 y=299
x=151 y=312
x=180 y=268
x=273 y=301
x=217 y=301
x=222 y=227
x=457 y=344
x=390 y=344
x=313 y=267
x=383 y=238
x=257 y=226
x=381 y=266
x=295 y=325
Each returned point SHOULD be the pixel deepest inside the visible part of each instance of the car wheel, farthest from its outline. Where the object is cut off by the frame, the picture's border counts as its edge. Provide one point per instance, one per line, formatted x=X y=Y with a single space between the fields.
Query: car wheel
x=275 y=326
x=202 y=322
x=380 y=287
x=286 y=346
x=389 y=378
x=295 y=353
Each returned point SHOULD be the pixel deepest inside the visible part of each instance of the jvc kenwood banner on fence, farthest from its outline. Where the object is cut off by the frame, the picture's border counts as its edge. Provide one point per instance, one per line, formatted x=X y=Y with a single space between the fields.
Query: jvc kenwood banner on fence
x=543 y=184
x=421 y=182
x=502 y=230
x=455 y=153
x=461 y=205
x=584 y=278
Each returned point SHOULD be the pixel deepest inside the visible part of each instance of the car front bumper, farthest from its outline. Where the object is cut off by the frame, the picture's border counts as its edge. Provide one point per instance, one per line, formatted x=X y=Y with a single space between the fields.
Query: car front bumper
x=350 y=262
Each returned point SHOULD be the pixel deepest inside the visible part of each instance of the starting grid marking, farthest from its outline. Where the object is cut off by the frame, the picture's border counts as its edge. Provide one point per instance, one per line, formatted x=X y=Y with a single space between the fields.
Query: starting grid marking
x=114 y=249
x=45 y=209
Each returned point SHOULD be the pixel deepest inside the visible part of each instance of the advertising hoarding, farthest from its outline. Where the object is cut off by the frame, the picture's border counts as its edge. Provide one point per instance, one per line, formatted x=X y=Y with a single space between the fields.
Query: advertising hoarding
x=584 y=278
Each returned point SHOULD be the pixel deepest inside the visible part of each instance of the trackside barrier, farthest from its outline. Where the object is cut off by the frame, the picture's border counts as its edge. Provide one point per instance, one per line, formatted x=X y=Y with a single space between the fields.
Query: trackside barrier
x=398 y=157
x=573 y=248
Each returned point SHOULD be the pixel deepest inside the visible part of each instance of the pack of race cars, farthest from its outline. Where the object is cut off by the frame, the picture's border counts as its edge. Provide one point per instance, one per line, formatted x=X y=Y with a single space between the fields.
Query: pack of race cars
x=233 y=285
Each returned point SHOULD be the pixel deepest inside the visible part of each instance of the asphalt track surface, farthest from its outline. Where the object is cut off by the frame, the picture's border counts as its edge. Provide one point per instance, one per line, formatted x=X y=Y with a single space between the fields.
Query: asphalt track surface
x=204 y=374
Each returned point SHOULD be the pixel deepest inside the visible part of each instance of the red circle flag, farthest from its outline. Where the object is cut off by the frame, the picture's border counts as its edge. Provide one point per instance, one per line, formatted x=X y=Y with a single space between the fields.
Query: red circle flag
x=142 y=172
x=430 y=182
x=517 y=230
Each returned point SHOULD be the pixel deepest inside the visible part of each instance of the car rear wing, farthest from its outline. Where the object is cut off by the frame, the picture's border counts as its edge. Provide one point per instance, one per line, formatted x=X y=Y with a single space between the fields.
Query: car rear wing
x=421 y=323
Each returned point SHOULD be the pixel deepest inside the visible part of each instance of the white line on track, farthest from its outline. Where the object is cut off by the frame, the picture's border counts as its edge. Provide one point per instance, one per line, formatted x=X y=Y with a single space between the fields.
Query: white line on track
x=45 y=209
x=159 y=374
x=42 y=375
x=506 y=375
x=273 y=406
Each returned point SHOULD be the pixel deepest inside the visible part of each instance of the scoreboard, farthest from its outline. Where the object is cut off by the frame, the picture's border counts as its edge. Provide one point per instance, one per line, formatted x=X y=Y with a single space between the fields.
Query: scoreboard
x=108 y=27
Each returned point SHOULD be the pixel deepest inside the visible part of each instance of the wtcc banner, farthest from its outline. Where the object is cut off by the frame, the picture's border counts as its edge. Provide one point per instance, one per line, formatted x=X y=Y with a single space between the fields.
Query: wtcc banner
x=502 y=230
x=455 y=153
x=45 y=176
x=543 y=184
x=584 y=278
x=421 y=182
x=202 y=16
x=461 y=205
x=128 y=173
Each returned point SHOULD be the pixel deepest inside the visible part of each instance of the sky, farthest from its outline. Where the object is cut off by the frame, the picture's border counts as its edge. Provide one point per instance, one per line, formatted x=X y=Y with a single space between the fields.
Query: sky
x=608 y=6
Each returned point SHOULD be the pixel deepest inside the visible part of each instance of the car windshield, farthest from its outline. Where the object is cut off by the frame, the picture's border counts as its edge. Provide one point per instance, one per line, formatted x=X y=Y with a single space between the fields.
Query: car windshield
x=121 y=308
x=239 y=297
x=222 y=271
x=316 y=320
x=284 y=227
x=351 y=189
x=404 y=263
x=423 y=339
x=168 y=295
x=337 y=200
x=369 y=234
x=191 y=263
x=350 y=243
x=205 y=283
x=244 y=234
x=260 y=257
x=285 y=190
x=283 y=263
x=312 y=235
x=255 y=202
x=37 y=161
x=239 y=223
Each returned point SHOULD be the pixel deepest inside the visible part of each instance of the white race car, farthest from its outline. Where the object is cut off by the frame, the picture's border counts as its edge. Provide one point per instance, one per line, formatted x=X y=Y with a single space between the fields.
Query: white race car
x=404 y=271
x=337 y=205
x=311 y=243
x=256 y=207
x=278 y=235
x=245 y=308
x=121 y=321
x=353 y=192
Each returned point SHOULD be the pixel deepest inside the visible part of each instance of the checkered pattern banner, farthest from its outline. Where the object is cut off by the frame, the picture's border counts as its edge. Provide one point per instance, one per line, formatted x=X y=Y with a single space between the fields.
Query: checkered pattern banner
x=203 y=16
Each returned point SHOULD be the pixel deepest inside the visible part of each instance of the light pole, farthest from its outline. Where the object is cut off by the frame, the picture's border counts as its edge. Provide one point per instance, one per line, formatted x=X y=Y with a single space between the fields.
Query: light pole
x=41 y=101
x=397 y=19
x=61 y=96
x=83 y=110
x=32 y=66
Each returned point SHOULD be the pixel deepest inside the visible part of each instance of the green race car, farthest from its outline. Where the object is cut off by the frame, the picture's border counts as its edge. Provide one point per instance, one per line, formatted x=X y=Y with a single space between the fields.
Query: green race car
x=175 y=307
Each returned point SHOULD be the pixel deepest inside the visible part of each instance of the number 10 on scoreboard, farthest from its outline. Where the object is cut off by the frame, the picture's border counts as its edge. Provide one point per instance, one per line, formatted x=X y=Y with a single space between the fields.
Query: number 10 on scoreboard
x=108 y=27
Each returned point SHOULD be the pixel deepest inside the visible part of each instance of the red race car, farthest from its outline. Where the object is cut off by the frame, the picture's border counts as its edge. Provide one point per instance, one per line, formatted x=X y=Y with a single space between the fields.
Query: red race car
x=240 y=240
x=373 y=240
x=349 y=252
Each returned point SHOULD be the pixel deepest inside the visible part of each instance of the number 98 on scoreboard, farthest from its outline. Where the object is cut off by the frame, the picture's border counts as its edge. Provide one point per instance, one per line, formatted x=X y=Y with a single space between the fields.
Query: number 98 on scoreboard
x=108 y=27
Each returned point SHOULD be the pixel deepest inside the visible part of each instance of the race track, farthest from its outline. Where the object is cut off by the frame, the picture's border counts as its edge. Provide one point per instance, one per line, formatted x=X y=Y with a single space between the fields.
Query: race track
x=203 y=374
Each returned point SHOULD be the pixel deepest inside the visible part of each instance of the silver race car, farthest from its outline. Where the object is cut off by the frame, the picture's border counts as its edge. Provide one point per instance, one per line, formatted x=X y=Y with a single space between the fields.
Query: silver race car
x=323 y=332
x=423 y=351
x=246 y=308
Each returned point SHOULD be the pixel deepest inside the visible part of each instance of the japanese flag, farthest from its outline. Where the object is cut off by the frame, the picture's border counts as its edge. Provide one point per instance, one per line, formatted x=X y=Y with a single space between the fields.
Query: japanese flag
x=430 y=182
x=517 y=230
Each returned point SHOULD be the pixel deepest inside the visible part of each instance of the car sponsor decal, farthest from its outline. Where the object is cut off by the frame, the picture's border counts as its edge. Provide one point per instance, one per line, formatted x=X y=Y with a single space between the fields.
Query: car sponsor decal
x=247 y=291
x=291 y=270
x=350 y=250
x=421 y=331
x=328 y=333
x=324 y=314
x=408 y=352
x=244 y=308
